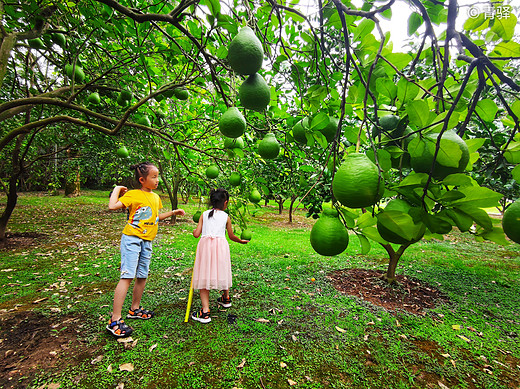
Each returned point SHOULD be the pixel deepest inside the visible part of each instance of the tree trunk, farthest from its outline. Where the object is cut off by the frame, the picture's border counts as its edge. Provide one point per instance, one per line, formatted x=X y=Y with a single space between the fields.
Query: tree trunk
x=73 y=185
x=394 y=257
x=279 y=200
x=293 y=199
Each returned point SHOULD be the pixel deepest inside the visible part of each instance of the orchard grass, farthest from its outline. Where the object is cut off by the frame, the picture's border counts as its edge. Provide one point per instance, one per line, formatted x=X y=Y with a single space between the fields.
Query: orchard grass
x=288 y=328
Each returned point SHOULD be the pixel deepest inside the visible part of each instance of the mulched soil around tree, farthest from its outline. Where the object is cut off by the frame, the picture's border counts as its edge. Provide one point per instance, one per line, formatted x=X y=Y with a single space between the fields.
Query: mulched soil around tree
x=407 y=294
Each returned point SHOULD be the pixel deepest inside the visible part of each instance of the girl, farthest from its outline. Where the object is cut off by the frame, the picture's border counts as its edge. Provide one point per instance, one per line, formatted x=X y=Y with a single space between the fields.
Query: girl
x=136 y=242
x=212 y=269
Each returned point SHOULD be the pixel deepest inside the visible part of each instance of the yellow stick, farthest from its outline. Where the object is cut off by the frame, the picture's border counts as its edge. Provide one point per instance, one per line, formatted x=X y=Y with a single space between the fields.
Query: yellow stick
x=190 y=298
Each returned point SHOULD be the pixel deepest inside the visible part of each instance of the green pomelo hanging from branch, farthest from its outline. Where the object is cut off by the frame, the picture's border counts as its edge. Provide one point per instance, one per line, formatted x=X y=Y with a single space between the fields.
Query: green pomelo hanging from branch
x=234 y=143
x=357 y=183
x=511 y=222
x=254 y=93
x=245 y=52
x=255 y=196
x=269 y=148
x=453 y=155
x=300 y=129
x=232 y=123
x=212 y=171
x=330 y=129
x=235 y=179
x=328 y=235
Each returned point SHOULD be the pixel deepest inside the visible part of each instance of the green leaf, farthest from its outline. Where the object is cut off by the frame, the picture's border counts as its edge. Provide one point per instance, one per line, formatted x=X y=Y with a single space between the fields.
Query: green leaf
x=505 y=27
x=478 y=197
x=386 y=87
x=372 y=233
x=398 y=222
x=512 y=153
x=414 y=179
x=506 y=49
x=364 y=28
x=516 y=173
x=474 y=144
x=495 y=234
x=414 y=22
x=461 y=219
x=366 y=220
x=457 y=179
x=406 y=90
x=452 y=195
x=486 y=109
x=472 y=23
x=452 y=122
x=320 y=121
x=418 y=113
x=478 y=215
x=364 y=243
x=436 y=224
x=515 y=107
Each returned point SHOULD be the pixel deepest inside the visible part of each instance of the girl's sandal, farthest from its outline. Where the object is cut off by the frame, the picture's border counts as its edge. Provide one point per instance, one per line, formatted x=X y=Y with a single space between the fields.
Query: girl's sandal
x=140 y=313
x=119 y=329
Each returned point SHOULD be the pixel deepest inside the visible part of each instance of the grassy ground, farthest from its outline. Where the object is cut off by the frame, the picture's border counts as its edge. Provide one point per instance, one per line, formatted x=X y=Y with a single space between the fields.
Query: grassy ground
x=289 y=331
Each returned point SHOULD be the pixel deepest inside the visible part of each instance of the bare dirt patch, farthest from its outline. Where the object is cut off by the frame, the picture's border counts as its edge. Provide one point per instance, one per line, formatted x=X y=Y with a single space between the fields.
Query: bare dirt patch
x=31 y=342
x=21 y=240
x=408 y=294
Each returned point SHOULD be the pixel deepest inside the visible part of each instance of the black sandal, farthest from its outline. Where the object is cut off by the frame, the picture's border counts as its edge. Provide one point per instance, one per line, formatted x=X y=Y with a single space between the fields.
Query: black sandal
x=140 y=313
x=122 y=329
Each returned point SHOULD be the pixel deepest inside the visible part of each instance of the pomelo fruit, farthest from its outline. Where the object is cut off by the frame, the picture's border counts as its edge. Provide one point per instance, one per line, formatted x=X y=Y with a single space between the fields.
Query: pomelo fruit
x=328 y=235
x=330 y=129
x=389 y=122
x=234 y=143
x=300 y=129
x=79 y=74
x=232 y=123
x=398 y=208
x=357 y=183
x=145 y=121
x=126 y=95
x=511 y=222
x=269 y=148
x=245 y=52
x=212 y=171
x=94 y=98
x=196 y=216
x=422 y=154
x=36 y=43
x=59 y=39
x=246 y=235
x=181 y=93
x=254 y=93
x=235 y=179
x=255 y=196
x=122 y=152
x=122 y=102
x=168 y=93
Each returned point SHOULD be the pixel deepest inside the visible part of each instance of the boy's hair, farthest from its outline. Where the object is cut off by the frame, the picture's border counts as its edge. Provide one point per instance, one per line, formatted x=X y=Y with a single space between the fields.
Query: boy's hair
x=217 y=198
x=141 y=170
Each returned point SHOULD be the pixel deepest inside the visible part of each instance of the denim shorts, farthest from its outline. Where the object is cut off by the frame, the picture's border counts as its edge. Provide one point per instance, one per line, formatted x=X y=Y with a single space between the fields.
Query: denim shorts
x=135 y=256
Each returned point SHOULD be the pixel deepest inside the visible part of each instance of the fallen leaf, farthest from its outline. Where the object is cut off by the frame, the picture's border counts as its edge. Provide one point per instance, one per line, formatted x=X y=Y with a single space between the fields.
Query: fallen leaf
x=242 y=364
x=261 y=320
x=456 y=327
x=446 y=355
x=40 y=300
x=403 y=336
x=97 y=359
x=126 y=367
x=339 y=329
x=397 y=324
x=294 y=338
x=464 y=338
x=453 y=363
x=283 y=364
x=366 y=337
x=125 y=340
x=441 y=385
x=152 y=347
x=291 y=382
x=53 y=386
x=121 y=385
x=370 y=323
x=109 y=368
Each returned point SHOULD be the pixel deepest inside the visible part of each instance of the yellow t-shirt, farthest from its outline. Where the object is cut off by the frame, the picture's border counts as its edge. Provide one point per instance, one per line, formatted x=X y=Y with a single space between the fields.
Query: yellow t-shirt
x=143 y=217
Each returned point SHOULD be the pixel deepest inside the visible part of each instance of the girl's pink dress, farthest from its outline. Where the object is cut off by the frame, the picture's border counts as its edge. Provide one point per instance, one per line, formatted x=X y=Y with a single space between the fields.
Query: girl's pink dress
x=212 y=269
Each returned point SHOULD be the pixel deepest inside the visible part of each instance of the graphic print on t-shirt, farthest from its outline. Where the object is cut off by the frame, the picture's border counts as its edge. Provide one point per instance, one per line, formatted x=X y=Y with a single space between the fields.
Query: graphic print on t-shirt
x=141 y=213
